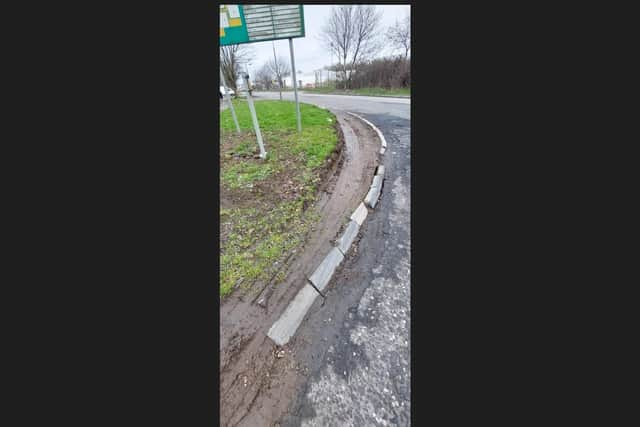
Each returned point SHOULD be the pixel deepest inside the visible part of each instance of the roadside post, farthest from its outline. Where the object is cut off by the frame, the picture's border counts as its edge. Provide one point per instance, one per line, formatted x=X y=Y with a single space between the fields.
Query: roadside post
x=295 y=84
x=254 y=117
x=275 y=59
x=228 y=98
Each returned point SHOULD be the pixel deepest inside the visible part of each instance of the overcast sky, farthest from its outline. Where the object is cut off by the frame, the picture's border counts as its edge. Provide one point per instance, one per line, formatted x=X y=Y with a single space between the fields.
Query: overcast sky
x=309 y=52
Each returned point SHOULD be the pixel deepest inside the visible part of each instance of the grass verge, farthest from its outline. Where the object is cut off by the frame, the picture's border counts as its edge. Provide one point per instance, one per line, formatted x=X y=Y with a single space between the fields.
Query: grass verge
x=264 y=203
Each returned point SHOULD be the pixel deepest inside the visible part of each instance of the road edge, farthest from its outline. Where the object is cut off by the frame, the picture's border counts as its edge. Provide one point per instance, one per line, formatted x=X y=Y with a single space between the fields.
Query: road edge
x=287 y=324
x=356 y=94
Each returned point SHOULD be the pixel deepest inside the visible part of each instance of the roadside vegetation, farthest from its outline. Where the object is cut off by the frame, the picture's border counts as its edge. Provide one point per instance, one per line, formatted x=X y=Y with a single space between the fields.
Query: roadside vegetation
x=264 y=215
x=361 y=67
x=369 y=91
x=360 y=63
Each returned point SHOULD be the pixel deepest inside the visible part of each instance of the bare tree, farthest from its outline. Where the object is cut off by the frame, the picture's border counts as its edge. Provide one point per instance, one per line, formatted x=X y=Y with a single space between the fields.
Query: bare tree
x=280 y=68
x=400 y=35
x=231 y=58
x=351 y=32
x=264 y=77
x=391 y=72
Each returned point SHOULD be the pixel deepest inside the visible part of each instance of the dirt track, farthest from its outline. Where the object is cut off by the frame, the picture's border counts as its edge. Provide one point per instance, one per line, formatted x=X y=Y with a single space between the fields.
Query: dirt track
x=257 y=383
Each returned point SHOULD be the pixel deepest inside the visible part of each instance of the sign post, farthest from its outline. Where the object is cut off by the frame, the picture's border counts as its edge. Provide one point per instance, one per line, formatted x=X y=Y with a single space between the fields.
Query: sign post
x=275 y=64
x=228 y=98
x=254 y=117
x=252 y=23
x=295 y=84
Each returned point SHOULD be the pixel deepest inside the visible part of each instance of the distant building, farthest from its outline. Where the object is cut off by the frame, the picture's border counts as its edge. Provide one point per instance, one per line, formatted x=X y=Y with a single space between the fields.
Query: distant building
x=309 y=86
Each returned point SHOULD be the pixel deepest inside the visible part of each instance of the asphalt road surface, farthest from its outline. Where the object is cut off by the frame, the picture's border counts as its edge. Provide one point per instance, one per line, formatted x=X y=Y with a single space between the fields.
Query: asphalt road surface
x=376 y=105
x=357 y=345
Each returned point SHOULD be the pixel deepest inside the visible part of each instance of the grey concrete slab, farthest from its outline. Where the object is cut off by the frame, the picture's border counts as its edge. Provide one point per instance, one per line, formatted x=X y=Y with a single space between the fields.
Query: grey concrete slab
x=327 y=267
x=372 y=197
x=377 y=181
x=360 y=214
x=285 y=327
x=380 y=170
x=348 y=236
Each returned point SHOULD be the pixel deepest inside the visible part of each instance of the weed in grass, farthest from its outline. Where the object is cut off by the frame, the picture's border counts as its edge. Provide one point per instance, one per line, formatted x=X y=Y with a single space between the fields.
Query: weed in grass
x=243 y=174
x=246 y=148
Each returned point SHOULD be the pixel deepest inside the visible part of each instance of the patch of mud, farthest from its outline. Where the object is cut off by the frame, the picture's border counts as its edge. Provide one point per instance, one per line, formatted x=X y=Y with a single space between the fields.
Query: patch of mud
x=335 y=161
x=283 y=185
x=257 y=380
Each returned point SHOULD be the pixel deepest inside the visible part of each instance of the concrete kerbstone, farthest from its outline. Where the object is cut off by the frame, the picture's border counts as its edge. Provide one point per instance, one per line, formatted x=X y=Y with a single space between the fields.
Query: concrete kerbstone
x=360 y=214
x=372 y=197
x=377 y=181
x=383 y=141
x=347 y=238
x=285 y=327
x=327 y=267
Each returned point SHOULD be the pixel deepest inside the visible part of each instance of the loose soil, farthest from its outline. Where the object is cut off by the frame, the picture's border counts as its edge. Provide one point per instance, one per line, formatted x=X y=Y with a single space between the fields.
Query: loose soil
x=258 y=380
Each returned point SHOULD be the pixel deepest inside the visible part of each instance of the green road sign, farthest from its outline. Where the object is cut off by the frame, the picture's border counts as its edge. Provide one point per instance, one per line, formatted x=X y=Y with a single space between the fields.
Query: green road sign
x=259 y=22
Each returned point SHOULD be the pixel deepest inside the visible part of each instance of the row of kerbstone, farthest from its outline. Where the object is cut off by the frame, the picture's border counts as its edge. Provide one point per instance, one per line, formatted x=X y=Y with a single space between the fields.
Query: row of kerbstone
x=285 y=327
x=383 y=141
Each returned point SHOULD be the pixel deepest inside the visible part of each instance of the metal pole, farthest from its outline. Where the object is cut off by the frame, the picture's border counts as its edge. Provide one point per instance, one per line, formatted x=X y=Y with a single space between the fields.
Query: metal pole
x=228 y=98
x=295 y=84
x=246 y=68
x=275 y=64
x=254 y=117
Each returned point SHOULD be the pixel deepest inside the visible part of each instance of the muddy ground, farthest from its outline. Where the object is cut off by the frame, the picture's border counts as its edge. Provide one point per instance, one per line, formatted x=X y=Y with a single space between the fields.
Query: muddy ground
x=258 y=380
